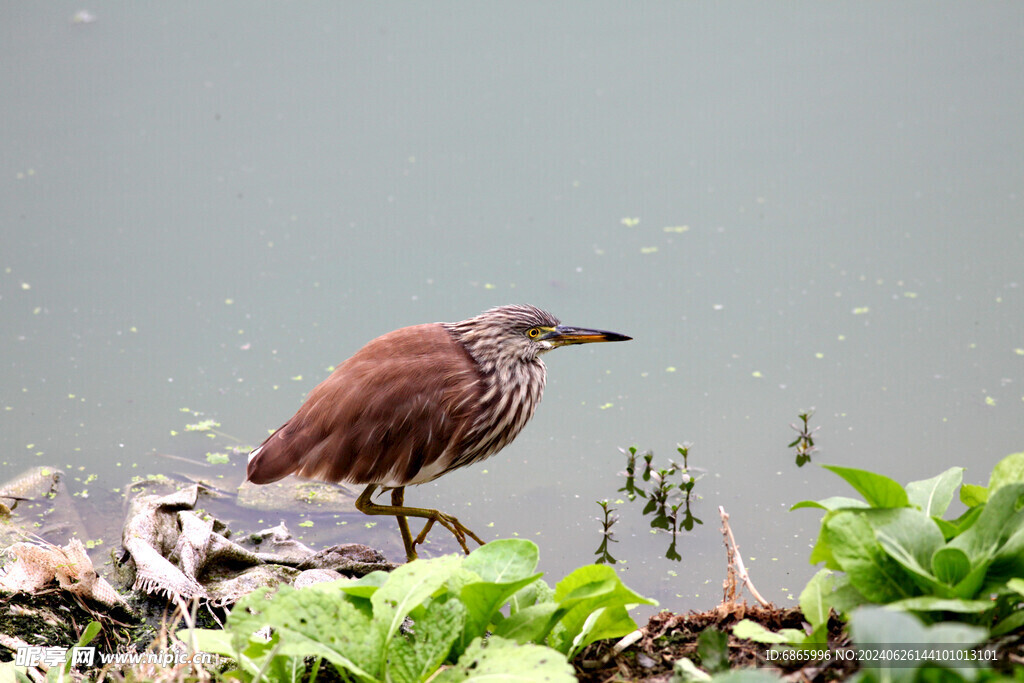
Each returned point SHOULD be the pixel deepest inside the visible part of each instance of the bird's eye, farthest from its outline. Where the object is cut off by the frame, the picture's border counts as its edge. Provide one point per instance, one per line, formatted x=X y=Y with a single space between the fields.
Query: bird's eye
x=533 y=332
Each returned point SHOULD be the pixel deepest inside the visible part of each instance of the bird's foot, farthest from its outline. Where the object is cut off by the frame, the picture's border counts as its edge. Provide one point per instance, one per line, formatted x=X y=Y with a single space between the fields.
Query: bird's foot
x=398 y=508
x=457 y=529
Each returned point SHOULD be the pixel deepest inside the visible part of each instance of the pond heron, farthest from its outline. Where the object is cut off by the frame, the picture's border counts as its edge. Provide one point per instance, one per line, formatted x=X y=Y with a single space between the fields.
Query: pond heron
x=418 y=402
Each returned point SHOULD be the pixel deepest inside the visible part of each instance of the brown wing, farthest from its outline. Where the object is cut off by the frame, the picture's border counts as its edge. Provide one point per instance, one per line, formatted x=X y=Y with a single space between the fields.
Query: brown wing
x=391 y=414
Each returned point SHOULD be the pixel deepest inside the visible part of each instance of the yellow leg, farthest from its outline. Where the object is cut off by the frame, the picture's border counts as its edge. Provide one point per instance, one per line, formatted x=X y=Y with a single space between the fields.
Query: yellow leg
x=365 y=505
x=398 y=500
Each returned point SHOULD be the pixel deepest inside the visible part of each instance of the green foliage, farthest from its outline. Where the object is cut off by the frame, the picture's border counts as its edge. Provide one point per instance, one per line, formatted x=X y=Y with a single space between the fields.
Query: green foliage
x=668 y=492
x=404 y=625
x=879 y=630
x=896 y=548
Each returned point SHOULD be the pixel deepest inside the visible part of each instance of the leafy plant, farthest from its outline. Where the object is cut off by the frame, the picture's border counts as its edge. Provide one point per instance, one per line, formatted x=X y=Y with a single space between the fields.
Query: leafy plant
x=927 y=652
x=896 y=548
x=607 y=520
x=804 y=442
x=668 y=492
x=404 y=625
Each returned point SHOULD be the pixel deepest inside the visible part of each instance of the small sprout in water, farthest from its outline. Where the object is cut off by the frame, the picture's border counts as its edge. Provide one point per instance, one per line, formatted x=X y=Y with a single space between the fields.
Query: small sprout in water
x=648 y=456
x=630 y=459
x=804 y=442
x=607 y=521
x=668 y=494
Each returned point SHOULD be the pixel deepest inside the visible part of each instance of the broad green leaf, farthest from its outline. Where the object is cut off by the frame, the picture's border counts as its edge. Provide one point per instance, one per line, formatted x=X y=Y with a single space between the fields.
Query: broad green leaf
x=504 y=560
x=314 y=624
x=1000 y=519
x=822 y=551
x=948 y=529
x=950 y=565
x=500 y=660
x=502 y=569
x=1016 y=585
x=356 y=591
x=875 y=575
x=878 y=490
x=363 y=587
x=460 y=578
x=530 y=624
x=833 y=503
x=934 y=495
x=971 y=585
x=612 y=621
x=247 y=613
x=877 y=627
x=846 y=598
x=815 y=599
x=1011 y=622
x=932 y=603
x=483 y=599
x=416 y=654
x=910 y=537
x=406 y=588
x=533 y=594
x=1008 y=561
x=965 y=521
x=583 y=636
x=1009 y=470
x=213 y=640
x=751 y=630
x=973 y=495
x=593 y=587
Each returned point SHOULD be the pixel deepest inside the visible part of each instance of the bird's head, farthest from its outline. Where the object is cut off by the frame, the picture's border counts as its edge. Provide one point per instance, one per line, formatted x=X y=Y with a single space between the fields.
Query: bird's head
x=520 y=333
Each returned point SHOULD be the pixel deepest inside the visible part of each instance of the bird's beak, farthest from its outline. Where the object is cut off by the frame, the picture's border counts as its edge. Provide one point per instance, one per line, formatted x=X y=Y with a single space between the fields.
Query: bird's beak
x=564 y=335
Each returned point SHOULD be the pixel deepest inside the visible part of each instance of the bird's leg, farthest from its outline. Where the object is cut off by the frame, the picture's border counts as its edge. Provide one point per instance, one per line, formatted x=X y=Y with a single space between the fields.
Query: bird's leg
x=365 y=505
x=398 y=500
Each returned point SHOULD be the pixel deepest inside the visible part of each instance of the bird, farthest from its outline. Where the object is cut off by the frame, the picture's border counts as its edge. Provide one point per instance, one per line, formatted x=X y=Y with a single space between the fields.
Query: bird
x=417 y=403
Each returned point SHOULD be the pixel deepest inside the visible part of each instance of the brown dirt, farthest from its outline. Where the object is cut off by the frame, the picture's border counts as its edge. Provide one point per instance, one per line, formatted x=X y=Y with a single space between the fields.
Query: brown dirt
x=668 y=637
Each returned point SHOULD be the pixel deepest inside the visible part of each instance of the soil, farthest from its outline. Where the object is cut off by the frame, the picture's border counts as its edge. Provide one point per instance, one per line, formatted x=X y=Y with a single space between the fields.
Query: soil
x=668 y=637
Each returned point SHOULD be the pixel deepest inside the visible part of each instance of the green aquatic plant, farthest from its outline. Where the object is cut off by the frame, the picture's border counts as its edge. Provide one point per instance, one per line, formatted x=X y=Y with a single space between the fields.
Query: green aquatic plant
x=667 y=490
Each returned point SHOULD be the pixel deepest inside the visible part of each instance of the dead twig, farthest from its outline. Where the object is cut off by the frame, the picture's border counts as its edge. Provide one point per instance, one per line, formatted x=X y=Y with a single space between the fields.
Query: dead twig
x=737 y=570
